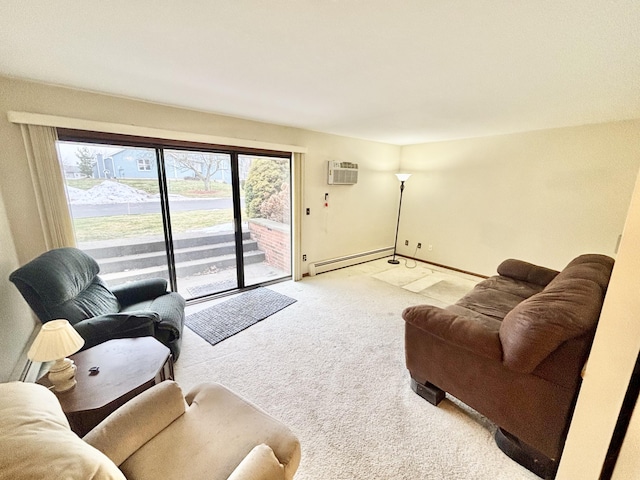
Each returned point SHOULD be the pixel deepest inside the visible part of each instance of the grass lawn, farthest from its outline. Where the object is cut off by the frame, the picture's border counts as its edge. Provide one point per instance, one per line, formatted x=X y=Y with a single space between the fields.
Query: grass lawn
x=127 y=226
x=187 y=188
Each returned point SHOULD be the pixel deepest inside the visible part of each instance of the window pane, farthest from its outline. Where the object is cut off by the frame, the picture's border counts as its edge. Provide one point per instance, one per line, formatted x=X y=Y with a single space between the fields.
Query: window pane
x=116 y=209
x=266 y=199
x=201 y=211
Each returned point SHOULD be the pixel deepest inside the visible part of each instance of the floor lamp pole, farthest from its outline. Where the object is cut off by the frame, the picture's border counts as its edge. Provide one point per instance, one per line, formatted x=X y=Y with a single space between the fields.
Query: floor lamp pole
x=395 y=244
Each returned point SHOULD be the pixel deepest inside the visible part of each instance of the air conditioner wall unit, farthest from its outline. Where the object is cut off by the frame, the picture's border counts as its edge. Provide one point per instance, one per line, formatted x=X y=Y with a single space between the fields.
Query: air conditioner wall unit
x=342 y=173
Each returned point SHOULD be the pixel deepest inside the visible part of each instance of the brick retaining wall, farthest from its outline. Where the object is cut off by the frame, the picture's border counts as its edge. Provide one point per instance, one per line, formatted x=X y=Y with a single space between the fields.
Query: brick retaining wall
x=274 y=239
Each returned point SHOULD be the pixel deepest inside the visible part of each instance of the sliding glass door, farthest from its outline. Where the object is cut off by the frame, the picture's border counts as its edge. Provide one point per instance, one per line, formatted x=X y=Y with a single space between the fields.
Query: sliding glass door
x=209 y=221
x=114 y=200
x=265 y=197
x=200 y=210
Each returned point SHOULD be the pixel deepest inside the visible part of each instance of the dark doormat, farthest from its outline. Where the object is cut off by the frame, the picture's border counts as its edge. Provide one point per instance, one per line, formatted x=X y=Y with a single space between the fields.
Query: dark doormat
x=227 y=318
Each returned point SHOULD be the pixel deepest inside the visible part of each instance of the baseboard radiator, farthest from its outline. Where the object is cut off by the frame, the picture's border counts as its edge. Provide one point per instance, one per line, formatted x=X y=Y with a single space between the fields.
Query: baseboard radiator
x=348 y=260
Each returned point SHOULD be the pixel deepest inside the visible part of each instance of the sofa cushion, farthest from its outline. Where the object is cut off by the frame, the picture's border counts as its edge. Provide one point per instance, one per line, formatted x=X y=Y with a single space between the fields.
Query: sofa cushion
x=477 y=333
x=526 y=272
x=519 y=289
x=593 y=258
x=485 y=320
x=496 y=296
x=36 y=441
x=96 y=299
x=565 y=309
x=64 y=283
x=58 y=275
x=589 y=267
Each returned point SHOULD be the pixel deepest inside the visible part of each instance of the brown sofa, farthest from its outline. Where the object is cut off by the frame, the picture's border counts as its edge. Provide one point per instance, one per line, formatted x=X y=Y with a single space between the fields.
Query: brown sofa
x=513 y=349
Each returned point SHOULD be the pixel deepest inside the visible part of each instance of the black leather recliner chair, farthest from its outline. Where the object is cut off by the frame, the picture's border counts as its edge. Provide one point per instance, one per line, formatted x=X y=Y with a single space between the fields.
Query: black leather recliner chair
x=64 y=283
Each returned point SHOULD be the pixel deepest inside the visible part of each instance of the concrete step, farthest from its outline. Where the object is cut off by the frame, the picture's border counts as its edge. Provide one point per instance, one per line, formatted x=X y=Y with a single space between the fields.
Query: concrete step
x=150 y=259
x=183 y=269
x=140 y=246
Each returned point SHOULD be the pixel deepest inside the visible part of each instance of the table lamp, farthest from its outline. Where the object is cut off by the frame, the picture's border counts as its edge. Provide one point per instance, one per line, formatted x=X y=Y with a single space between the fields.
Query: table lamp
x=56 y=340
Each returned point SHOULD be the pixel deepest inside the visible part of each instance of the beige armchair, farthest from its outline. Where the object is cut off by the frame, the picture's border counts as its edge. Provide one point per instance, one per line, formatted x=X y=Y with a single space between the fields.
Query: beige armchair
x=214 y=434
x=158 y=435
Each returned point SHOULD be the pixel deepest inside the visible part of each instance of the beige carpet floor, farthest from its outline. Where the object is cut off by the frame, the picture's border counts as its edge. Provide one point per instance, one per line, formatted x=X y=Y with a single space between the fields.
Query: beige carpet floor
x=331 y=366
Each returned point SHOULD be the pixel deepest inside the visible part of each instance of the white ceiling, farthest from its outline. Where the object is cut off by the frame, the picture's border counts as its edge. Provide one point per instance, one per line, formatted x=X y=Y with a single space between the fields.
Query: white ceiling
x=402 y=72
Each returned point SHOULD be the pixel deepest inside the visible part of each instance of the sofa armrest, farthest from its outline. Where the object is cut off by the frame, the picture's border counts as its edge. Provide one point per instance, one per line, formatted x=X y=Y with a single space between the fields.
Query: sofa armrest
x=463 y=332
x=527 y=272
x=135 y=423
x=536 y=327
x=260 y=464
x=140 y=290
x=215 y=404
x=98 y=329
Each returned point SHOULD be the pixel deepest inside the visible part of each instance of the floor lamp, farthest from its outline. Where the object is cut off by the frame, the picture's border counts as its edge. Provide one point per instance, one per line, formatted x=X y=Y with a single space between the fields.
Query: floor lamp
x=403 y=177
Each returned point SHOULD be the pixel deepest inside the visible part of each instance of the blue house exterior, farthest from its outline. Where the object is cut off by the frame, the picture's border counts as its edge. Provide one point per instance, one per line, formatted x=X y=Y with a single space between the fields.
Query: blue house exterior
x=141 y=163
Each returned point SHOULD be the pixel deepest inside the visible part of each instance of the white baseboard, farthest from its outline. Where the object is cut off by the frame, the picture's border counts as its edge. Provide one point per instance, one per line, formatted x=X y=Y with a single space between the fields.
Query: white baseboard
x=348 y=260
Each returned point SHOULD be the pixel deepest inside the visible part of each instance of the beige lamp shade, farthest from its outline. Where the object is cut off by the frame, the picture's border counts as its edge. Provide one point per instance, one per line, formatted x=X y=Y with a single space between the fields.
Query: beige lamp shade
x=56 y=340
x=403 y=177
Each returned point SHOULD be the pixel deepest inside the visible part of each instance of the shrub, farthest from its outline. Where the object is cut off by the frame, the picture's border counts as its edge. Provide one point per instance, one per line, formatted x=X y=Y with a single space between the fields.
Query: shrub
x=277 y=206
x=267 y=178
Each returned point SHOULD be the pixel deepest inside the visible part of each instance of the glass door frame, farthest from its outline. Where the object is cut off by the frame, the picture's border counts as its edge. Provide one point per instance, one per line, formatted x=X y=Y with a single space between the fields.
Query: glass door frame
x=237 y=219
x=159 y=145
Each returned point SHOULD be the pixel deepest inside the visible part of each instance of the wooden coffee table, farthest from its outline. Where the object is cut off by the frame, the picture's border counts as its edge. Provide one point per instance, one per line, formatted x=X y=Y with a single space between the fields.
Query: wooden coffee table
x=127 y=367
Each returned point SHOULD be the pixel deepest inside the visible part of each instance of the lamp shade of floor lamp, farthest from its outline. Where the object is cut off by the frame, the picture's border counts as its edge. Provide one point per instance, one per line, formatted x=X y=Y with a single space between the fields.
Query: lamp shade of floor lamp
x=55 y=340
x=403 y=177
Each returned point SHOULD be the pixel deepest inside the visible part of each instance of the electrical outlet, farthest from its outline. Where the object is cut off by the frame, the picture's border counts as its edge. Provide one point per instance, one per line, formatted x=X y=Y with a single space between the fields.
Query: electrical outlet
x=304 y=258
x=430 y=247
x=308 y=211
x=406 y=242
x=419 y=245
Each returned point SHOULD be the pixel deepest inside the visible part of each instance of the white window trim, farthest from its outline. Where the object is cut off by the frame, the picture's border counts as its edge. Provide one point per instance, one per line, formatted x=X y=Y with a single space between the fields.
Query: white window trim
x=27 y=118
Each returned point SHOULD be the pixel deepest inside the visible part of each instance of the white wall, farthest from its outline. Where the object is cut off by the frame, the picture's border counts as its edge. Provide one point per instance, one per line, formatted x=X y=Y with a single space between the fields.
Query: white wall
x=544 y=196
x=16 y=324
x=359 y=217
